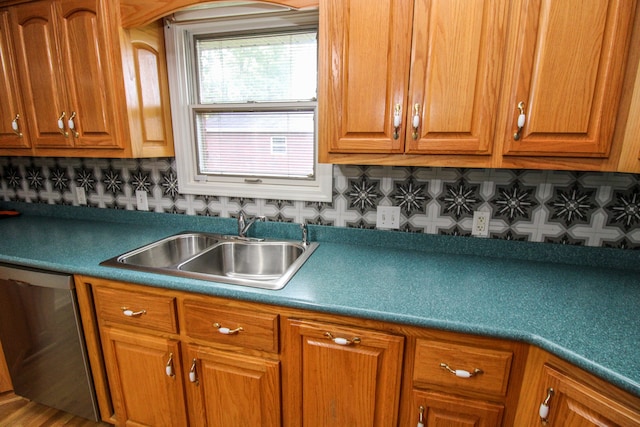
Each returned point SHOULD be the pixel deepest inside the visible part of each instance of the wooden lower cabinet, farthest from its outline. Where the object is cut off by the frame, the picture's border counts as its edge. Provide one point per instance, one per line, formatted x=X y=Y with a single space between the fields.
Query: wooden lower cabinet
x=338 y=375
x=232 y=389
x=146 y=387
x=442 y=410
x=175 y=359
x=577 y=399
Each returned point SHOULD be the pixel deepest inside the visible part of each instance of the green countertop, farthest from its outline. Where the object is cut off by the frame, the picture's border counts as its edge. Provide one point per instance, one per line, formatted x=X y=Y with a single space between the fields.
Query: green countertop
x=582 y=304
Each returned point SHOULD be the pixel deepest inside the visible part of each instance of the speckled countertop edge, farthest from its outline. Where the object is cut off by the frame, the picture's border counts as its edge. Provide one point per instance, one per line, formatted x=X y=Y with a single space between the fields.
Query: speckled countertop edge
x=579 y=303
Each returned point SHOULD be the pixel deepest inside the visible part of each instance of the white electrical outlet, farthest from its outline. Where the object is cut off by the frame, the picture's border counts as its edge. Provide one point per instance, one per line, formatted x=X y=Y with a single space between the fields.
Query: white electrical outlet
x=388 y=217
x=141 y=200
x=81 y=196
x=480 y=227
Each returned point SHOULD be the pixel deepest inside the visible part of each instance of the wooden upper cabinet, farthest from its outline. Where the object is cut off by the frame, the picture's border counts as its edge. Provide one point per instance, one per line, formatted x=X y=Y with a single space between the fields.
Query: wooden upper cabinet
x=13 y=131
x=91 y=89
x=456 y=68
x=568 y=69
x=410 y=77
x=364 y=49
x=40 y=69
x=65 y=57
x=86 y=49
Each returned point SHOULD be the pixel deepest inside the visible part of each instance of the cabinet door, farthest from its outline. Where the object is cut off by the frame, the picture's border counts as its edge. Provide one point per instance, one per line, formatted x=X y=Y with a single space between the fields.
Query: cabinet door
x=352 y=381
x=574 y=404
x=456 y=68
x=87 y=45
x=40 y=70
x=441 y=410
x=364 y=50
x=569 y=65
x=11 y=106
x=142 y=392
x=232 y=389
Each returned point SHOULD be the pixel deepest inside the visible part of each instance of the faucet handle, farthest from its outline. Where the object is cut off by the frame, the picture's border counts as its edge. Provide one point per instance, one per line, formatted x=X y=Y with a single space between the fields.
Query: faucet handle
x=305 y=234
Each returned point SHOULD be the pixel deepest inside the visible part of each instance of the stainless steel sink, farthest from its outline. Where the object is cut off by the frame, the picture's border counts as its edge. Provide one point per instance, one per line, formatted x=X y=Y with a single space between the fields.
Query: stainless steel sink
x=169 y=252
x=260 y=263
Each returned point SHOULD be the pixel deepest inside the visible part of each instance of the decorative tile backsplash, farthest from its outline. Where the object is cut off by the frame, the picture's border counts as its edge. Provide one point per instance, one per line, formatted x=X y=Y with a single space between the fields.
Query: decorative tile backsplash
x=577 y=208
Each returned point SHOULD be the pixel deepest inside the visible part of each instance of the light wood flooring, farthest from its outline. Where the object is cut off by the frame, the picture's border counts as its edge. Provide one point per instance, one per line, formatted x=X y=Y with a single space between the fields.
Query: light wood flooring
x=16 y=411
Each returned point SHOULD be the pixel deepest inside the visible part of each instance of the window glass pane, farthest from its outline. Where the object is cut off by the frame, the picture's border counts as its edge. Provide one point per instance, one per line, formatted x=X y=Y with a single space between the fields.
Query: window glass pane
x=256 y=144
x=267 y=67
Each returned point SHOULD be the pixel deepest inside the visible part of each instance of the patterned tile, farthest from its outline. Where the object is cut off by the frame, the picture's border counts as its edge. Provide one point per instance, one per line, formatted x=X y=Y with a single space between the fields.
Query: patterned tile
x=558 y=207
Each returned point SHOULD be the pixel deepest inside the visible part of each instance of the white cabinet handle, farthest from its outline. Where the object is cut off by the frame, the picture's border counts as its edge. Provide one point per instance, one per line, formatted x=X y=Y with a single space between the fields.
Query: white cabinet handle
x=193 y=376
x=227 y=331
x=130 y=313
x=544 y=408
x=61 y=128
x=72 y=125
x=461 y=373
x=168 y=369
x=421 y=417
x=15 y=127
x=342 y=341
x=521 y=121
x=416 y=120
x=397 y=121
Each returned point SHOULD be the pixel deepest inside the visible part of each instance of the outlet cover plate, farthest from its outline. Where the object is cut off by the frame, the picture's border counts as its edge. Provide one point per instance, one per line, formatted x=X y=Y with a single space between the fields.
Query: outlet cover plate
x=480 y=227
x=388 y=217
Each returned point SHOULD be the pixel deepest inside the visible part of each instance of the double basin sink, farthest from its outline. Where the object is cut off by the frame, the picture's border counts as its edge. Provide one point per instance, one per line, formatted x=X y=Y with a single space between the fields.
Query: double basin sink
x=245 y=261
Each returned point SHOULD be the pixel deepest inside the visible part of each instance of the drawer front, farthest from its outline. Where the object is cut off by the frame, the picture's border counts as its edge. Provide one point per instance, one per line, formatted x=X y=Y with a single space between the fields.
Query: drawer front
x=157 y=312
x=231 y=326
x=494 y=364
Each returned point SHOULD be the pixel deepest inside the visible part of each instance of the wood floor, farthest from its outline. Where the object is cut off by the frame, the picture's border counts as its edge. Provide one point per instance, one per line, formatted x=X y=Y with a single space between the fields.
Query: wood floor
x=16 y=411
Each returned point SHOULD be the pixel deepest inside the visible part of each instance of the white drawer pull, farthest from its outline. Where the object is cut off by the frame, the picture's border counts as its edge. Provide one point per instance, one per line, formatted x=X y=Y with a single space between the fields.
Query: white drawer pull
x=227 y=331
x=461 y=373
x=130 y=313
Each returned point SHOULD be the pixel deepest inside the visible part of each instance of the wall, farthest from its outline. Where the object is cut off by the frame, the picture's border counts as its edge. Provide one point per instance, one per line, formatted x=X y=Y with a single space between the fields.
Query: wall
x=578 y=208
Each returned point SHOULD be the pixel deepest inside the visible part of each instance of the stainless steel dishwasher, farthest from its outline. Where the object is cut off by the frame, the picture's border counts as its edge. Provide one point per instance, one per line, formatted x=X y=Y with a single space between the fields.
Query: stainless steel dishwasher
x=42 y=338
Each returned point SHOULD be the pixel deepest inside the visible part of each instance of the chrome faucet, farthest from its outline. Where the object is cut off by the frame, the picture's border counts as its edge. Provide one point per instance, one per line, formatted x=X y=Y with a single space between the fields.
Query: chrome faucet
x=244 y=225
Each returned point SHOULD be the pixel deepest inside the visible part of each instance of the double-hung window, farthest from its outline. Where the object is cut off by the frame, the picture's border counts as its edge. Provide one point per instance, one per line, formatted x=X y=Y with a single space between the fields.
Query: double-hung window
x=243 y=98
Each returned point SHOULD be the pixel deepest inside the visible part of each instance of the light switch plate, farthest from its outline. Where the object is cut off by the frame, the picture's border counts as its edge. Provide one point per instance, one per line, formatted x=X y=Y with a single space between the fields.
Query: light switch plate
x=81 y=196
x=388 y=217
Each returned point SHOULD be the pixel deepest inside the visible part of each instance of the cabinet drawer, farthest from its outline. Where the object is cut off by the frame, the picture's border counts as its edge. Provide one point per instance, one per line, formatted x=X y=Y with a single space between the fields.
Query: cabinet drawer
x=495 y=366
x=258 y=331
x=157 y=312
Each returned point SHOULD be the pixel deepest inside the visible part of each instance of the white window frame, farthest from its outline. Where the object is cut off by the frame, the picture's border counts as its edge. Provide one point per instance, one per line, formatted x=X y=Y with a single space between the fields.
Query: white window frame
x=179 y=32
